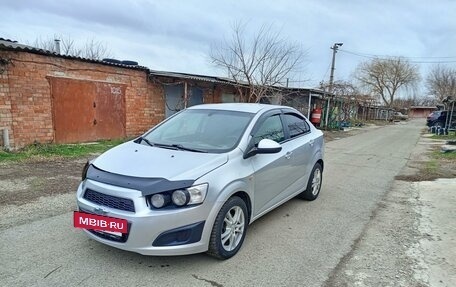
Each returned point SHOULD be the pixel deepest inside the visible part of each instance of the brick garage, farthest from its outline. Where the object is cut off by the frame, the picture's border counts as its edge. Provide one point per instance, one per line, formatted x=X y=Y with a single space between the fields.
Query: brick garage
x=26 y=102
x=50 y=98
x=420 y=111
x=182 y=90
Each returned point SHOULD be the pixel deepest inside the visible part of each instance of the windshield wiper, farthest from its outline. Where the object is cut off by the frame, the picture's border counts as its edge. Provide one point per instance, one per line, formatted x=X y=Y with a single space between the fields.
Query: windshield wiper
x=181 y=147
x=178 y=147
x=170 y=146
x=147 y=141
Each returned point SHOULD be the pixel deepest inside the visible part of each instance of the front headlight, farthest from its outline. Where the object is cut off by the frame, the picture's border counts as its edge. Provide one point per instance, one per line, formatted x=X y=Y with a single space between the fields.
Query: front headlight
x=159 y=200
x=180 y=197
x=197 y=193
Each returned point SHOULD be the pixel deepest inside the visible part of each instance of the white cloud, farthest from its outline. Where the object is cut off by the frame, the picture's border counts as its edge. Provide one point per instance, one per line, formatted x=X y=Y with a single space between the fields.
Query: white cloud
x=176 y=35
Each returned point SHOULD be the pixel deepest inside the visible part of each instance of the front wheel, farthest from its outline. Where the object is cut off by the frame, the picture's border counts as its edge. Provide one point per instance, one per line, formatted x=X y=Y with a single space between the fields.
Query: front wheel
x=314 y=184
x=229 y=229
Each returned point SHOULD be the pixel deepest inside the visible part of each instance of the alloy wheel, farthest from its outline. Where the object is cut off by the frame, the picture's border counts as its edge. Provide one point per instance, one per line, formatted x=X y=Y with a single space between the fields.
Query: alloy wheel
x=233 y=228
x=316 y=181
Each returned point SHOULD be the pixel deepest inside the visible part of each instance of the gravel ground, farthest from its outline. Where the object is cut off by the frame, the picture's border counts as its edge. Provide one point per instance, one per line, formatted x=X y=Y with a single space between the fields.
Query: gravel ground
x=33 y=190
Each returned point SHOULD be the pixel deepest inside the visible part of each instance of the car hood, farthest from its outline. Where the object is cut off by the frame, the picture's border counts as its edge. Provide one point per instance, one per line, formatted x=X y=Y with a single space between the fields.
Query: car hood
x=137 y=160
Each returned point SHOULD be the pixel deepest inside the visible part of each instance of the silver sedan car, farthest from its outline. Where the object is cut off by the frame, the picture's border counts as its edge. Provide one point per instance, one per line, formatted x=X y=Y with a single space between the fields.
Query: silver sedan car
x=196 y=181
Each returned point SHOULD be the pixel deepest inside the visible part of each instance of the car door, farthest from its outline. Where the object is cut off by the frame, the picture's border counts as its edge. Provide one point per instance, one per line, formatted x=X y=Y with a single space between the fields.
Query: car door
x=271 y=171
x=301 y=147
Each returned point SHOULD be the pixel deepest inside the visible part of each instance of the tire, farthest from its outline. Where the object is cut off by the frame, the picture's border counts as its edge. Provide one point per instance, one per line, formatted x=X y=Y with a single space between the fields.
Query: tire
x=129 y=63
x=112 y=61
x=314 y=184
x=236 y=209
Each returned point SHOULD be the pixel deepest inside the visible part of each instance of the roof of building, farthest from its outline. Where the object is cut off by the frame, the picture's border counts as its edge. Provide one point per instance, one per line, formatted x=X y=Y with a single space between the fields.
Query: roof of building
x=204 y=78
x=11 y=45
x=223 y=80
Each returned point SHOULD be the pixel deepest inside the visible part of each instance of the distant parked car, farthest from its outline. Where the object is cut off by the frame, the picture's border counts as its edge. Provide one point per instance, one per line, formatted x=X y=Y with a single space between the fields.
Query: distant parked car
x=197 y=180
x=437 y=119
x=398 y=116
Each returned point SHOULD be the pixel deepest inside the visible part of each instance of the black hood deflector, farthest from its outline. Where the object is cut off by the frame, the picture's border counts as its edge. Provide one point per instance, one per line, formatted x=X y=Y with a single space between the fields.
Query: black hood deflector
x=146 y=185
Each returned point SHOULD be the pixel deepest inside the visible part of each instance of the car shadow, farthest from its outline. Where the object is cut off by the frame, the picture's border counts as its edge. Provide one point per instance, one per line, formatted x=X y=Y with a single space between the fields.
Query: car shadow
x=270 y=221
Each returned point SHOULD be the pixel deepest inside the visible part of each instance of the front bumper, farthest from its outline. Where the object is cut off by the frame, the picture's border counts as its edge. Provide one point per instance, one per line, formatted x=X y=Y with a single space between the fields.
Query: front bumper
x=145 y=225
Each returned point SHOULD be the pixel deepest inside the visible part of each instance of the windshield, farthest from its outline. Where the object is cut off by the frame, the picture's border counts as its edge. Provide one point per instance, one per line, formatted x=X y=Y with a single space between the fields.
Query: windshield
x=200 y=130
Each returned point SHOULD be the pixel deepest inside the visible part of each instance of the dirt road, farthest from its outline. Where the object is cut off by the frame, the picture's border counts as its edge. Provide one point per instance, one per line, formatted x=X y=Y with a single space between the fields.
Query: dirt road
x=299 y=244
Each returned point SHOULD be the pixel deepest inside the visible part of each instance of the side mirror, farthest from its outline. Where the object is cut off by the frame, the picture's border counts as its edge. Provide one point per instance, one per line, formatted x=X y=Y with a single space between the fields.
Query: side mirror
x=264 y=146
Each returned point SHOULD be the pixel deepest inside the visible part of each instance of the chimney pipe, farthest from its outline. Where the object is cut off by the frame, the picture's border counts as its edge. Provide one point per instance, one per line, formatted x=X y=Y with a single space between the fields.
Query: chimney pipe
x=57 y=45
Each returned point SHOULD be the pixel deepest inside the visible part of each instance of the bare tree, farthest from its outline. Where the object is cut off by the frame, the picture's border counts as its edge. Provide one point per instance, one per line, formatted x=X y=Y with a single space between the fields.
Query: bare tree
x=258 y=64
x=441 y=82
x=91 y=49
x=350 y=98
x=385 y=77
x=95 y=50
x=428 y=100
x=404 y=103
x=342 y=89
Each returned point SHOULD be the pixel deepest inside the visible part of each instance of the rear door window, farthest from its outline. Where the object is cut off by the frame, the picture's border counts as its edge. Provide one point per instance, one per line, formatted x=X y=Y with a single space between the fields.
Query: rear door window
x=296 y=125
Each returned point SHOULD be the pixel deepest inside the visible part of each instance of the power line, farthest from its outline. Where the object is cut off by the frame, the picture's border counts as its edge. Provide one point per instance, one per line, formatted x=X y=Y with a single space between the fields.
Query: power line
x=372 y=56
x=326 y=73
x=385 y=56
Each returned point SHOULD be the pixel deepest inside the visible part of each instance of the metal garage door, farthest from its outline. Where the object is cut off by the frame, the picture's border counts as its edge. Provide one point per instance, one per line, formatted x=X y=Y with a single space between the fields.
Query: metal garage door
x=174 y=99
x=87 y=110
x=195 y=97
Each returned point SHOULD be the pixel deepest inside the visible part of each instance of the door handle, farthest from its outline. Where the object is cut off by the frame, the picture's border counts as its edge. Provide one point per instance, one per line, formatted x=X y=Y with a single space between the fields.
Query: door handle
x=311 y=142
x=288 y=155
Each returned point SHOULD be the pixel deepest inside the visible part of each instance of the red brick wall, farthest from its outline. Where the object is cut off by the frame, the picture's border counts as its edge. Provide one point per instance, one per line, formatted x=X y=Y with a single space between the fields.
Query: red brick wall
x=25 y=96
x=420 y=113
x=5 y=104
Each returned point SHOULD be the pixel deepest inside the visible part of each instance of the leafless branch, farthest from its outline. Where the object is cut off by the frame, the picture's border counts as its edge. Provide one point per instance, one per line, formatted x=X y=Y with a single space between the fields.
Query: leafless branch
x=385 y=77
x=91 y=49
x=259 y=63
x=441 y=82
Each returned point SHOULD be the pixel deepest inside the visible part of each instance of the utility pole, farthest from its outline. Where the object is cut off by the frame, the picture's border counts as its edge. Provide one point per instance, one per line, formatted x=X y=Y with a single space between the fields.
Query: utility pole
x=335 y=47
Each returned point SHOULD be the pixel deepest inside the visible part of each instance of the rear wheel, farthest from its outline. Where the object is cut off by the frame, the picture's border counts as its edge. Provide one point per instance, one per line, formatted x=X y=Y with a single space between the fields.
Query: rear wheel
x=314 y=184
x=229 y=229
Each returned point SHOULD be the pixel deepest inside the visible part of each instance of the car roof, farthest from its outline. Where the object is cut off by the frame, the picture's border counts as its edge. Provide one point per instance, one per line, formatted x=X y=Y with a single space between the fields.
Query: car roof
x=240 y=107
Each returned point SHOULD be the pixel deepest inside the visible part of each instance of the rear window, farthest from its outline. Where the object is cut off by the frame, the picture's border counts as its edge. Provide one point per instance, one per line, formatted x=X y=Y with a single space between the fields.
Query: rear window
x=296 y=125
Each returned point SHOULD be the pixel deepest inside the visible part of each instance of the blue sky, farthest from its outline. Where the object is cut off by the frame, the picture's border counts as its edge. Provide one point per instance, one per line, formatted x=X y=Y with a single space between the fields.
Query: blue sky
x=177 y=35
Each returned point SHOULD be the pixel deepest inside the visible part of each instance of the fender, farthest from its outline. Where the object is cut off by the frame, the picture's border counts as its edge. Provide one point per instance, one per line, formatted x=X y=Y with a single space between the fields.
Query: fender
x=244 y=185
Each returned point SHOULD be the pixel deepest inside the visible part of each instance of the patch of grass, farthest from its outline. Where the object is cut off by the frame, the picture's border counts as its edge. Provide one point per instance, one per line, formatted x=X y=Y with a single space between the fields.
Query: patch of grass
x=451 y=156
x=450 y=136
x=59 y=150
x=432 y=166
